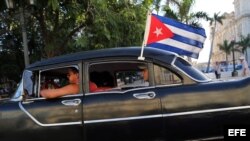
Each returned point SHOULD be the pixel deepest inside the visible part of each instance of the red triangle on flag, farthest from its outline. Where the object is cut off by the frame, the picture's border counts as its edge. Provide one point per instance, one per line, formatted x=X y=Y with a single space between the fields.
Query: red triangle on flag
x=158 y=31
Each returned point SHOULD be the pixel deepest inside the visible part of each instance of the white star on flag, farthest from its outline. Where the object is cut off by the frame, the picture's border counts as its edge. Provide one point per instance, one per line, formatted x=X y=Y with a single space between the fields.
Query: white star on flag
x=158 y=31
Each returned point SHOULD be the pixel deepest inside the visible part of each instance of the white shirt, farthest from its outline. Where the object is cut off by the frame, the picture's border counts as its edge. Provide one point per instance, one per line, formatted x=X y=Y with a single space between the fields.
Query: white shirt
x=245 y=68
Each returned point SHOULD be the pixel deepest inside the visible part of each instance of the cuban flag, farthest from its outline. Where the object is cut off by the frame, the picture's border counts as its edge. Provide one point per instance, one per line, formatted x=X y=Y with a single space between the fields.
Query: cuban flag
x=168 y=34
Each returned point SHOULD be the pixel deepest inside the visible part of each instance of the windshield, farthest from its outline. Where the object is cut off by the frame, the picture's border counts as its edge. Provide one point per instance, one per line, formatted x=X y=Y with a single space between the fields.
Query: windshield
x=25 y=84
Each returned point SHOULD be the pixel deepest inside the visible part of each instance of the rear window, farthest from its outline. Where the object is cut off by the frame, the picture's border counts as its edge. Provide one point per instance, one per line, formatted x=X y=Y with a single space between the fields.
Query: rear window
x=190 y=70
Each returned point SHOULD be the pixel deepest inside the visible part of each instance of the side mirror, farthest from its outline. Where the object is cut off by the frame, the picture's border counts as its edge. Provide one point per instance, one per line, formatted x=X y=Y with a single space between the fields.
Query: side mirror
x=18 y=93
x=27 y=83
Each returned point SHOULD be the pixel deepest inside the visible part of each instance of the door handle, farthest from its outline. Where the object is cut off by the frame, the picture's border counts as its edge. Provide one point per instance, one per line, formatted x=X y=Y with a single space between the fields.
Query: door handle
x=73 y=102
x=147 y=95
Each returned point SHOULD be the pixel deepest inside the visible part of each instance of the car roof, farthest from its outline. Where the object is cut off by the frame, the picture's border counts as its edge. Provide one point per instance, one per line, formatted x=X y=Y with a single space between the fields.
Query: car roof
x=149 y=52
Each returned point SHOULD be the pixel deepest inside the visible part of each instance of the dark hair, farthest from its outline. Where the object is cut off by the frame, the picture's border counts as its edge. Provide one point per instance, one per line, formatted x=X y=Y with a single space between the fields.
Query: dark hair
x=74 y=69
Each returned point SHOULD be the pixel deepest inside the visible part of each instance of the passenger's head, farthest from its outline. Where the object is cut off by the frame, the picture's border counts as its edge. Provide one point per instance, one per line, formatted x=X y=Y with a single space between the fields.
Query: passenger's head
x=145 y=74
x=73 y=75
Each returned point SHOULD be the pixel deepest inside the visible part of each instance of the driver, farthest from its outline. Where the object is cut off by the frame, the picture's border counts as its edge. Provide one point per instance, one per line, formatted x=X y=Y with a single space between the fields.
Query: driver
x=71 y=88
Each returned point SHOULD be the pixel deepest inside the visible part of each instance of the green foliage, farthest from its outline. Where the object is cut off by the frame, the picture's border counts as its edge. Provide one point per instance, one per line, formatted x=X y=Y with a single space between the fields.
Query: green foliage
x=56 y=27
x=244 y=43
x=182 y=12
x=116 y=23
x=227 y=47
x=216 y=18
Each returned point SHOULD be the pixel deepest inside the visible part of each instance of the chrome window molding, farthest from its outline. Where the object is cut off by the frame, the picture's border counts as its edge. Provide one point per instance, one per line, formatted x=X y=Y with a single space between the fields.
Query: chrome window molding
x=47 y=125
x=208 y=79
x=169 y=85
x=119 y=91
x=40 y=98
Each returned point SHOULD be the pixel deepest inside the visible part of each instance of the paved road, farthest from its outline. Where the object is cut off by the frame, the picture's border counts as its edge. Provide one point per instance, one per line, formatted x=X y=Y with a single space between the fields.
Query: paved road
x=224 y=75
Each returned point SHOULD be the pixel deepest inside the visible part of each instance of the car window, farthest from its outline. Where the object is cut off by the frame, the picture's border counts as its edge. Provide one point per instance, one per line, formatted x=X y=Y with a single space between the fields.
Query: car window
x=164 y=76
x=52 y=79
x=56 y=78
x=190 y=70
x=111 y=76
x=35 y=81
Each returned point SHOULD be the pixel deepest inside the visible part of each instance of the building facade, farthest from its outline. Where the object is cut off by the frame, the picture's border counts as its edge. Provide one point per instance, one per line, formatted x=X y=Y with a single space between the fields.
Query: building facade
x=235 y=25
x=242 y=20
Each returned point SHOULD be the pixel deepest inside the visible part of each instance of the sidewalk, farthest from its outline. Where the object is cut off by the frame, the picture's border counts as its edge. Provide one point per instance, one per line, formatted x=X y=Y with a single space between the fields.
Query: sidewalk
x=224 y=75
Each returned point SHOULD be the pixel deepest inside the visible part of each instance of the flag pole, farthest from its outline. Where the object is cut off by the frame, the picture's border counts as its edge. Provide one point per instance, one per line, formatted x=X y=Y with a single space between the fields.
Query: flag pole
x=144 y=43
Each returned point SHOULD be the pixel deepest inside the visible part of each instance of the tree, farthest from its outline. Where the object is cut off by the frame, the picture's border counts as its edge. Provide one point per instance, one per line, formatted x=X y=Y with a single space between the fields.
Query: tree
x=116 y=23
x=227 y=48
x=244 y=43
x=213 y=22
x=183 y=12
x=56 y=27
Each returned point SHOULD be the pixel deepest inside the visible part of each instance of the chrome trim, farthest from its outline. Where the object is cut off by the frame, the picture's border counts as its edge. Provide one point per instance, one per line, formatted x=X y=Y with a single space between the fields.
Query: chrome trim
x=72 y=102
x=71 y=96
x=39 y=84
x=118 y=91
x=122 y=119
x=169 y=85
x=208 y=79
x=146 y=95
x=174 y=59
x=59 y=67
x=167 y=115
x=47 y=125
x=208 y=139
x=206 y=111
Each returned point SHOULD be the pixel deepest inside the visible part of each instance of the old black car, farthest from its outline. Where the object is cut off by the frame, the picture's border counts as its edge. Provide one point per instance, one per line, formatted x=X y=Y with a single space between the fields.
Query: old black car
x=177 y=102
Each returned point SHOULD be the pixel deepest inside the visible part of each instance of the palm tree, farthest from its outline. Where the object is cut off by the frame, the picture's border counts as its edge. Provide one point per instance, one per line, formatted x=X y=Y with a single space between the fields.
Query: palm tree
x=227 y=48
x=244 y=43
x=183 y=12
x=213 y=22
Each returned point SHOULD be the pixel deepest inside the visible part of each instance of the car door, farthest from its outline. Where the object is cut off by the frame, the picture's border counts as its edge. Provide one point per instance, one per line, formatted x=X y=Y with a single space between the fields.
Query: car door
x=49 y=119
x=186 y=107
x=132 y=113
x=60 y=118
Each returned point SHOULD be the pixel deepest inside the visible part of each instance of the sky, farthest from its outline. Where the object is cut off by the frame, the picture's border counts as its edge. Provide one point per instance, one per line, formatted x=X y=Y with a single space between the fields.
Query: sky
x=211 y=7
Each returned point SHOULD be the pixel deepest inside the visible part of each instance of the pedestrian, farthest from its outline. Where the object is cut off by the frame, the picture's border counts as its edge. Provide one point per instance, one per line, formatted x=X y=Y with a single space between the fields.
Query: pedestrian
x=217 y=70
x=245 y=69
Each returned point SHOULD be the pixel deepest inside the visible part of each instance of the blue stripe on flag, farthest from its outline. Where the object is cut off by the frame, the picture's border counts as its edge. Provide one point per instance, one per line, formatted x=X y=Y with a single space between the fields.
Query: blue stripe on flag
x=174 y=49
x=187 y=41
x=180 y=25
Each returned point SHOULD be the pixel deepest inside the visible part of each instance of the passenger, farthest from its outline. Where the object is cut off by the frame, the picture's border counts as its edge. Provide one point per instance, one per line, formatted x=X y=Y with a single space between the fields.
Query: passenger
x=145 y=74
x=92 y=86
x=71 y=88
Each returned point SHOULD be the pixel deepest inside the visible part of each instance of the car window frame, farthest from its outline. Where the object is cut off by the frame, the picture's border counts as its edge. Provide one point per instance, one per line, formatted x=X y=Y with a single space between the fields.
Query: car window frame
x=88 y=63
x=39 y=70
x=170 y=69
